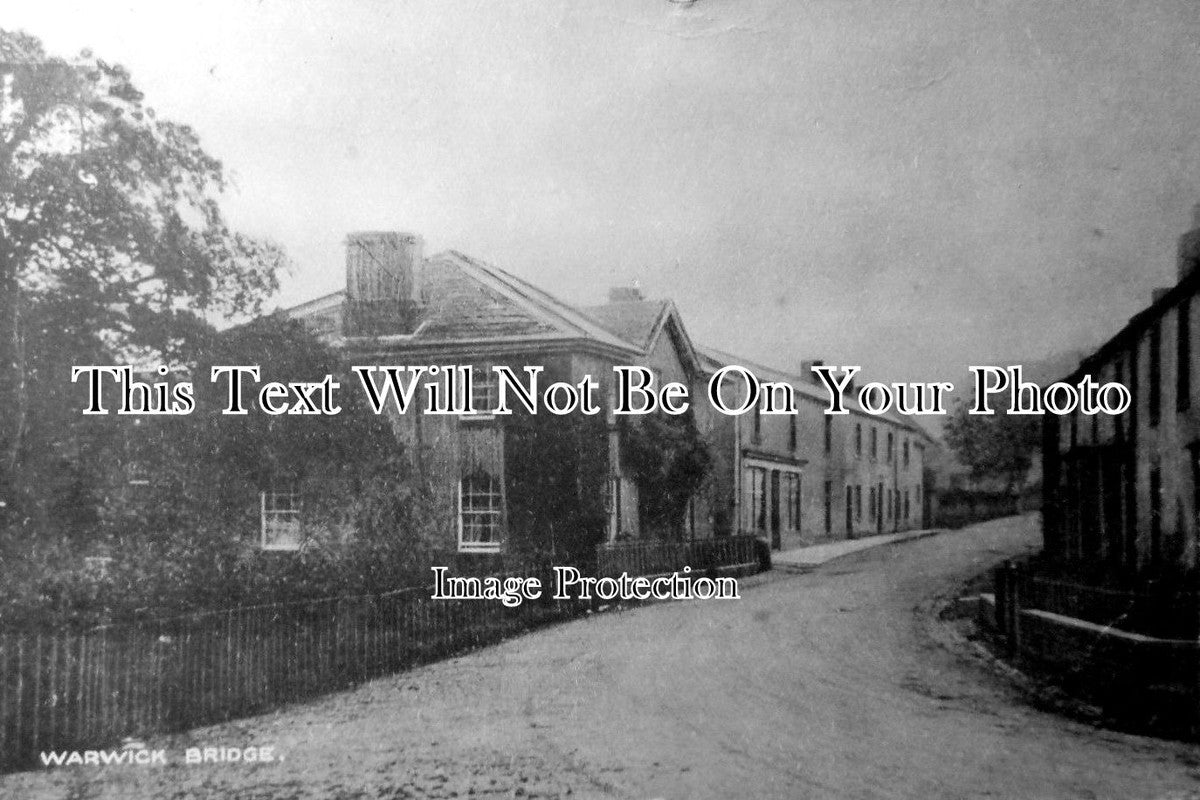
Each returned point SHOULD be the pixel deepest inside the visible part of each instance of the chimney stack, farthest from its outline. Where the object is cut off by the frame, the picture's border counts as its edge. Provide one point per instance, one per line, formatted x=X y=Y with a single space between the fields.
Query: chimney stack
x=806 y=369
x=625 y=294
x=1158 y=294
x=383 y=292
x=1189 y=247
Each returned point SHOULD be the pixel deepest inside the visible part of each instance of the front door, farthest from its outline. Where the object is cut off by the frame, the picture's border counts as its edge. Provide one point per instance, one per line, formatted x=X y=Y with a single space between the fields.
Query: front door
x=774 y=521
x=879 y=508
x=849 y=513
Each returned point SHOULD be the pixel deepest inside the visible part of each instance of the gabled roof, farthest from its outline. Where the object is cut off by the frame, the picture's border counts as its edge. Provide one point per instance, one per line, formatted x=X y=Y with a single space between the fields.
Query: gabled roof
x=635 y=321
x=466 y=300
x=326 y=302
x=642 y=322
x=548 y=312
x=714 y=359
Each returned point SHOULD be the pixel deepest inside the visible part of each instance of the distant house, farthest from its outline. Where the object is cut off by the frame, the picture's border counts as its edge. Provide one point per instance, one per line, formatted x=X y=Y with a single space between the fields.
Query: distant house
x=787 y=479
x=796 y=479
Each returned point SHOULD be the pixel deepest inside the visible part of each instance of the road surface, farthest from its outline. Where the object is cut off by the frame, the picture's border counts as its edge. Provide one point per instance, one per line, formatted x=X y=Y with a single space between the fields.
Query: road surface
x=822 y=685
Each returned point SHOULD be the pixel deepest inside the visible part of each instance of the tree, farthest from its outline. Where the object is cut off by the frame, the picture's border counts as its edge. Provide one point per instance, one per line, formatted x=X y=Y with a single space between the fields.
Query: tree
x=364 y=513
x=186 y=538
x=999 y=446
x=669 y=460
x=112 y=243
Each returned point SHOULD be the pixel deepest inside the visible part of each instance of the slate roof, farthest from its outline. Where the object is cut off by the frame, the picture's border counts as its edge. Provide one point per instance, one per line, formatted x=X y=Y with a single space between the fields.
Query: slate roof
x=713 y=359
x=468 y=300
x=634 y=321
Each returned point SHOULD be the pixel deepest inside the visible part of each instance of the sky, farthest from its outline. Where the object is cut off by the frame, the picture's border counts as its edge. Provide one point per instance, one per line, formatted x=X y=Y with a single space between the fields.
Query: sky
x=908 y=185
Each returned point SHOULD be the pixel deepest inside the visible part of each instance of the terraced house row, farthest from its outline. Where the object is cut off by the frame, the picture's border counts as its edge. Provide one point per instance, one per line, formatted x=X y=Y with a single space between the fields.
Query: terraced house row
x=1122 y=493
x=789 y=479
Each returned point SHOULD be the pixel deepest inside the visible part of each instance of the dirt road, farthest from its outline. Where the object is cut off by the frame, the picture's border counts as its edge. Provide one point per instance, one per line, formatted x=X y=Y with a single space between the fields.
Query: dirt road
x=824 y=685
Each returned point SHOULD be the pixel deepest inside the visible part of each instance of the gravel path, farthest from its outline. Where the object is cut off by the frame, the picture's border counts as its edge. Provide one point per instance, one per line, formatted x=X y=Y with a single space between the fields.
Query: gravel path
x=822 y=685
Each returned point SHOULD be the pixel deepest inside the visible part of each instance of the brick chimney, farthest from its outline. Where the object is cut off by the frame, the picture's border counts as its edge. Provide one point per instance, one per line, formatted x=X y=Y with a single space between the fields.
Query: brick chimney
x=625 y=294
x=806 y=369
x=1158 y=294
x=1189 y=247
x=383 y=292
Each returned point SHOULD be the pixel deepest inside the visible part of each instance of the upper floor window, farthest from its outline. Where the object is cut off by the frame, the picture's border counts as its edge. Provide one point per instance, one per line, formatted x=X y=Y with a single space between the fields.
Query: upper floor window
x=828 y=434
x=756 y=434
x=891 y=447
x=907 y=453
x=792 y=437
x=874 y=443
x=279 y=517
x=480 y=511
x=484 y=389
x=858 y=439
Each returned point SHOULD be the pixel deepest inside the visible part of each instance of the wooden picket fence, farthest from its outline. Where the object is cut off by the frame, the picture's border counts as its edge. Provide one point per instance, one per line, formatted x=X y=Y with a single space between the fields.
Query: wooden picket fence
x=663 y=556
x=66 y=690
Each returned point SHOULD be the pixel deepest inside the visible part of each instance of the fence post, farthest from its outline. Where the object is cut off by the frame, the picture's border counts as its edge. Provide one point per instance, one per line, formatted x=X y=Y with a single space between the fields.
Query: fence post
x=1013 y=608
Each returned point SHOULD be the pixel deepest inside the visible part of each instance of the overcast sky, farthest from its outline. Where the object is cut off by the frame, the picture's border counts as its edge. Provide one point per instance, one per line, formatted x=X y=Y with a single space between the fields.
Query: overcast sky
x=910 y=185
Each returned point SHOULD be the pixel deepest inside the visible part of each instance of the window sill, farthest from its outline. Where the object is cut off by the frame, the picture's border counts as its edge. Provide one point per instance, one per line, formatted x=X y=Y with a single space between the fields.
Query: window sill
x=479 y=548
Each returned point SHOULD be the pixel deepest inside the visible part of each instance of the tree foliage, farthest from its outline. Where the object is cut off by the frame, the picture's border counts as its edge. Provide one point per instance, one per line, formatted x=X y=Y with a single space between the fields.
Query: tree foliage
x=556 y=483
x=113 y=247
x=669 y=460
x=188 y=538
x=997 y=447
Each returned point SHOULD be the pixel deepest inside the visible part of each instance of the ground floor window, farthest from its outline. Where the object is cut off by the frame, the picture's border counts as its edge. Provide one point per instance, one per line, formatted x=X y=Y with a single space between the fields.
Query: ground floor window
x=756 y=507
x=480 y=507
x=279 y=519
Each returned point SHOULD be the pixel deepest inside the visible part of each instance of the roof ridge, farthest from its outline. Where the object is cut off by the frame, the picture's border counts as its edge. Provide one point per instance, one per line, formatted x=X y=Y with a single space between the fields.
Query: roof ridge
x=541 y=299
x=851 y=402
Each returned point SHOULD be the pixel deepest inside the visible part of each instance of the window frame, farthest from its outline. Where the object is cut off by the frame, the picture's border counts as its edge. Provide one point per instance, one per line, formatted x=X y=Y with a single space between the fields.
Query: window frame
x=485 y=380
x=270 y=519
x=493 y=511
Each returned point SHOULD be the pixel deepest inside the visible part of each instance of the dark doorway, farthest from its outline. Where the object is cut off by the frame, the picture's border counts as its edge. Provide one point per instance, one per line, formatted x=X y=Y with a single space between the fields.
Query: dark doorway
x=879 y=508
x=828 y=507
x=776 y=537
